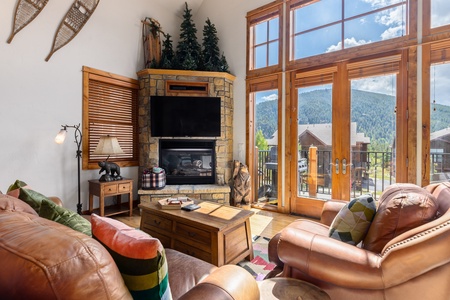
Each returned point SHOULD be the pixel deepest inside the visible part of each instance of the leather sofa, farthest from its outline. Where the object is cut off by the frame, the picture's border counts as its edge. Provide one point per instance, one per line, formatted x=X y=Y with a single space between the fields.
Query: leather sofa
x=42 y=259
x=414 y=264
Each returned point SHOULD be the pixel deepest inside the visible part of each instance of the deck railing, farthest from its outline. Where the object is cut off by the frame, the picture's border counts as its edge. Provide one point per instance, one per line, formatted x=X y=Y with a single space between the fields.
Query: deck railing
x=371 y=172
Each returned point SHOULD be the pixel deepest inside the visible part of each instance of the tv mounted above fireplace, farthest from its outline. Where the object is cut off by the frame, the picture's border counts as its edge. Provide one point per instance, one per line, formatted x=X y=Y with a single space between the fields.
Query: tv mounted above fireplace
x=179 y=116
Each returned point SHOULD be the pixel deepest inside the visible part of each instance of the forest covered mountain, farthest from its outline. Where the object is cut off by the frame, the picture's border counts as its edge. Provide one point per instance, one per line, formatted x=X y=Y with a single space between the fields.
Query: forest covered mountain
x=374 y=114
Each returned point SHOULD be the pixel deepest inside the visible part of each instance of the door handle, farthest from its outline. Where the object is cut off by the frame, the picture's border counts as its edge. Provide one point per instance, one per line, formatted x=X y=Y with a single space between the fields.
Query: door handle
x=336 y=166
x=344 y=166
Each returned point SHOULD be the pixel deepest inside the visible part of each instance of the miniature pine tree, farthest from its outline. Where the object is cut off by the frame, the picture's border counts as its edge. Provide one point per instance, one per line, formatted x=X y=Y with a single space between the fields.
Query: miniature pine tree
x=210 y=52
x=167 y=54
x=188 y=48
x=223 y=64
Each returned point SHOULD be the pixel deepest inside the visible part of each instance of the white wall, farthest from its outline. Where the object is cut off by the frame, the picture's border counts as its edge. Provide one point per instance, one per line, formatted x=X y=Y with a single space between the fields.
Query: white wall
x=37 y=97
x=231 y=24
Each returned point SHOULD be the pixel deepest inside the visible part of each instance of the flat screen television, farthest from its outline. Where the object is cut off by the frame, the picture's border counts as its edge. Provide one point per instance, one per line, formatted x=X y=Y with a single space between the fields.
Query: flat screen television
x=179 y=116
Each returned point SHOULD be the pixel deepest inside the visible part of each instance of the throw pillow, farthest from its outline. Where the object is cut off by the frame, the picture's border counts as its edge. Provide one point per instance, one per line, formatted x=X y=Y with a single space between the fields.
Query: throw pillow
x=402 y=206
x=49 y=210
x=353 y=221
x=20 y=190
x=14 y=189
x=140 y=258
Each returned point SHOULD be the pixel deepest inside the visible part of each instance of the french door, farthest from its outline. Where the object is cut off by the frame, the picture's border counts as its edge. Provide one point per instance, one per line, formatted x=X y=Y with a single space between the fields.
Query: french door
x=348 y=122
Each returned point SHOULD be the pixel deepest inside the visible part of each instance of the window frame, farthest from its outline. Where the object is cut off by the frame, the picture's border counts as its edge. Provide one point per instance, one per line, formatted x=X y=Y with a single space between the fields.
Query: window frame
x=92 y=79
x=258 y=16
x=349 y=53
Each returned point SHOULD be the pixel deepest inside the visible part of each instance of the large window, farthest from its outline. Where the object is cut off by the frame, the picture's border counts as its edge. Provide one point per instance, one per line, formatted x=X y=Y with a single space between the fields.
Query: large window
x=384 y=67
x=109 y=108
x=330 y=25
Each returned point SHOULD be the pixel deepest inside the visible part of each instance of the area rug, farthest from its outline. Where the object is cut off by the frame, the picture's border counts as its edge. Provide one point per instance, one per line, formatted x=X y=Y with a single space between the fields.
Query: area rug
x=259 y=266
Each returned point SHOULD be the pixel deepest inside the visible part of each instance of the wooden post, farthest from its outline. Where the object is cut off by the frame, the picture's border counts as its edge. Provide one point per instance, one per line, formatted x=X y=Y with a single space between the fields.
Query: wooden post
x=312 y=176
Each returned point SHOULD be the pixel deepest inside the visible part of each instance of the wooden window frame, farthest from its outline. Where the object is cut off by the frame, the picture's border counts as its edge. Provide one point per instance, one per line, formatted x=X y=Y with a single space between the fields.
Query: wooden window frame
x=257 y=16
x=347 y=54
x=265 y=83
x=117 y=96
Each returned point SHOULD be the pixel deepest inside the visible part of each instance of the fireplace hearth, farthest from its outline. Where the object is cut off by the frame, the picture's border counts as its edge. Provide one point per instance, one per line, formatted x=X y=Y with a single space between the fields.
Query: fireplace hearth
x=188 y=161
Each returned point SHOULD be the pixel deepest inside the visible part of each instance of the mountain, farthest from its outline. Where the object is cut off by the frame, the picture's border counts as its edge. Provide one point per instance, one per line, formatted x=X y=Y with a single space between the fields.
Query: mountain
x=374 y=114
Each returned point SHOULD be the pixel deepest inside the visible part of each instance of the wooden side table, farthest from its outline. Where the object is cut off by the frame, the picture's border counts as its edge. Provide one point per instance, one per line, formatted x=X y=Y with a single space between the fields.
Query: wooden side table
x=103 y=189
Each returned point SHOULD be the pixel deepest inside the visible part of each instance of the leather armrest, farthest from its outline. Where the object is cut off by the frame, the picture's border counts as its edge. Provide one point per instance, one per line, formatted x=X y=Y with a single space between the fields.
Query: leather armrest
x=273 y=250
x=329 y=260
x=330 y=210
x=226 y=282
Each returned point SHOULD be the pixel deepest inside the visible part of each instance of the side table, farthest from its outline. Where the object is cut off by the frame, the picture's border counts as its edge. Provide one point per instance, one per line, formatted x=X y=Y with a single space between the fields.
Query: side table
x=103 y=189
x=290 y=289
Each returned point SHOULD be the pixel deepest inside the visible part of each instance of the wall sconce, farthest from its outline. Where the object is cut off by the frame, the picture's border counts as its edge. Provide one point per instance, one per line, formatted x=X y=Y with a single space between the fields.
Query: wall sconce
x=59 y=139
x=108 y=145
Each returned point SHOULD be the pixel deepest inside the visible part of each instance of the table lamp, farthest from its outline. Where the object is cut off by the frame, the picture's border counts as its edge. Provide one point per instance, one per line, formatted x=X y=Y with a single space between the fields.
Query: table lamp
x=108 y=145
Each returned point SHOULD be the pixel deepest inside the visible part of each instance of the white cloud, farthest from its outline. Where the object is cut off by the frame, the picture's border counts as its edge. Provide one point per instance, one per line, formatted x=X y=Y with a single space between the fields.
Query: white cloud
x=392 y=33
x=269 y=97
x=378 y=84
x=348 y=43
x=391 y=17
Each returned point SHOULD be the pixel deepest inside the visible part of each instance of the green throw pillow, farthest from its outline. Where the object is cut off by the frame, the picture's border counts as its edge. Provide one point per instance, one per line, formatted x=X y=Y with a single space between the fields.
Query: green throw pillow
x=33 y=198
x=64 y=216
x=353 y=221
x=141 y=259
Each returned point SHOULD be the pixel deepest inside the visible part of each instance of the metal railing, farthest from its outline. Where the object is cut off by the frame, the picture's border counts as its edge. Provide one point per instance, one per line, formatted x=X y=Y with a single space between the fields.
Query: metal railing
x=371 y=172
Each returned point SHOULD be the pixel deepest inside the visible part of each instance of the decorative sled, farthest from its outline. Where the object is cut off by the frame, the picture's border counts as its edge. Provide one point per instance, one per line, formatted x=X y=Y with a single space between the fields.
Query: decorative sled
x=26 y=11
x=73 y=22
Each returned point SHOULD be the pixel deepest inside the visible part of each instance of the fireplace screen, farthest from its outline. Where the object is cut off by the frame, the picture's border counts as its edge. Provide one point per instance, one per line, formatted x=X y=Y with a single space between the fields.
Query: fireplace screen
x=188 y=161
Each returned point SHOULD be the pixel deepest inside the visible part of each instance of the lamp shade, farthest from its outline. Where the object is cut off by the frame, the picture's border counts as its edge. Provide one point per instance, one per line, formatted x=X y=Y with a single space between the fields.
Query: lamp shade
x=61 y=136
x=108 y=145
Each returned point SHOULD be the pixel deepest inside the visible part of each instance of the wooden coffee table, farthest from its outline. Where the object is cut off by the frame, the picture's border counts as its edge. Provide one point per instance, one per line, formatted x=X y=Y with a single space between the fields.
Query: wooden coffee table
x=214 y=233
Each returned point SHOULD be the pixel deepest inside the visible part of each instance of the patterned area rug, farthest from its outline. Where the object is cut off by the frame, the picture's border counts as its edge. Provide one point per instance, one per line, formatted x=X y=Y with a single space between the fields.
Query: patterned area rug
x=260 y=265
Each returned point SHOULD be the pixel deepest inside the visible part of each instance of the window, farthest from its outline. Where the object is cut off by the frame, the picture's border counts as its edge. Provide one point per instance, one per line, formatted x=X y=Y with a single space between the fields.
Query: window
x=440 y=13
x=109 y=108
x=264 y=38
x=330 y=25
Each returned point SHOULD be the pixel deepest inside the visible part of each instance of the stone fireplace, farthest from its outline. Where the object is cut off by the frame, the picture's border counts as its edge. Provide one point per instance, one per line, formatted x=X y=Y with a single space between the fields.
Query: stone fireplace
x=158 y=82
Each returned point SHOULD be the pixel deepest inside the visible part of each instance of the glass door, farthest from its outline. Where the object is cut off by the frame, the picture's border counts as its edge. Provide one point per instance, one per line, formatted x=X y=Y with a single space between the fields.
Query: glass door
x=346 y=133
x=373 y=134
x=439 y=123
x=266 y=149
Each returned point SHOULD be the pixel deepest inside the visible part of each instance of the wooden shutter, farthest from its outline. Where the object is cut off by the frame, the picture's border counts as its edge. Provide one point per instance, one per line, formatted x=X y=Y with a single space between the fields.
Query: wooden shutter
x=110 y=107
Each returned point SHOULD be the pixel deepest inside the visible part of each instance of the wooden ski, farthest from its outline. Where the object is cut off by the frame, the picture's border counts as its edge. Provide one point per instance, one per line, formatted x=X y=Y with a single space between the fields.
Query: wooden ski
x=26 y=11
x=73 y=22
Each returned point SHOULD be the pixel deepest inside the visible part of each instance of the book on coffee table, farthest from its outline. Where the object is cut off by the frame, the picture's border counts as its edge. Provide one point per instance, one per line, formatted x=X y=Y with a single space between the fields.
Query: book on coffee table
x=175 y=202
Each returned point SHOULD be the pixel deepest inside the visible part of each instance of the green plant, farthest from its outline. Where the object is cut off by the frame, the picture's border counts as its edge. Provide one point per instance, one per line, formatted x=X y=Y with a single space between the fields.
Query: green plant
x=188 y=49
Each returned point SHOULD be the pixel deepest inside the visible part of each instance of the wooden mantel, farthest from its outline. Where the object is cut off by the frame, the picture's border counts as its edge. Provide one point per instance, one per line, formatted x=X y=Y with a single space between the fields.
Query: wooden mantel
x=224 y=75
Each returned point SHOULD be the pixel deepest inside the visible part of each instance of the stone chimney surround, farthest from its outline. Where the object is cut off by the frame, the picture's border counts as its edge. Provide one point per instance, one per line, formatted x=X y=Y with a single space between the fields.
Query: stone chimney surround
x=160 y=82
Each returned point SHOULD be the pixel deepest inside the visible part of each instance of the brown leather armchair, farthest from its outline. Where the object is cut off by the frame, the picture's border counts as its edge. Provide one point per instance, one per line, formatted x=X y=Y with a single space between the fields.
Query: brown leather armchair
x=412 y=265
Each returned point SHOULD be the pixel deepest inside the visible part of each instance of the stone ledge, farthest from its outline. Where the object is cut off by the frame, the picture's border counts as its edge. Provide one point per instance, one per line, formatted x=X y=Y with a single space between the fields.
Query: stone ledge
x=208 y=192
x=187 y=189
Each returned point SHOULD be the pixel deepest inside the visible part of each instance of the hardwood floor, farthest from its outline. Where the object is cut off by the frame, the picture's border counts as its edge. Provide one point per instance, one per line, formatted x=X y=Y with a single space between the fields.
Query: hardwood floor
x=266 y=228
